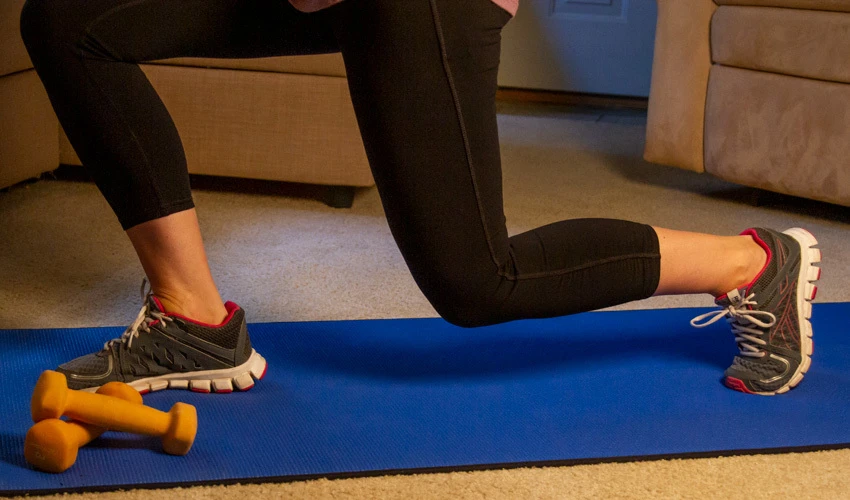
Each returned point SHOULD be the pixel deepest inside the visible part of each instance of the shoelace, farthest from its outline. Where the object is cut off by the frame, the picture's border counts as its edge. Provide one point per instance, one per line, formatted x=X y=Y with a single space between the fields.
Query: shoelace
x=741 y=319
x=143 y=321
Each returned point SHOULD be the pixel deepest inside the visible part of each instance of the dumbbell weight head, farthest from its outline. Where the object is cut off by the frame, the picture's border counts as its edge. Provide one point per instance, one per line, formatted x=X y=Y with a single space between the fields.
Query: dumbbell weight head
x=49 y=396
x=181 y=430
x=51 y=445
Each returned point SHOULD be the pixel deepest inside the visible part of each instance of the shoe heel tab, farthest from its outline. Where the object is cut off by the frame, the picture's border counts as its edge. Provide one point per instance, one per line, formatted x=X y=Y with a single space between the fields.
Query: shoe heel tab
x=753 y=233
x=232 y=309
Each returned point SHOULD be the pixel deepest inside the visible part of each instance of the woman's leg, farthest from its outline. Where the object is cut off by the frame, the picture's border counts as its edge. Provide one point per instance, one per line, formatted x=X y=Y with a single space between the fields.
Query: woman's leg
x=423 y=80
x=86 y=54
x=422 y=75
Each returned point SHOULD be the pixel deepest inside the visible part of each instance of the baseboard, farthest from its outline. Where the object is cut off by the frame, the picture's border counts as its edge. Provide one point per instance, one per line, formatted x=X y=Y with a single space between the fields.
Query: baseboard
x=510 y=94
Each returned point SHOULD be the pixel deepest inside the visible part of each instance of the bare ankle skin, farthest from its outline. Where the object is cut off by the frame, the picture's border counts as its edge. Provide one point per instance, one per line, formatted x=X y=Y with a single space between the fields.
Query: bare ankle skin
x=751 y=261
x=195 y=308
x=703 y=263
x=172 y=254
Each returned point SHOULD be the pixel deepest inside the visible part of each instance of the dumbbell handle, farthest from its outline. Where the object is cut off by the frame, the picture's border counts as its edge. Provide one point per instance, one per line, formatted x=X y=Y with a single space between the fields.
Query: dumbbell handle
x=112 y=413
x=83 y=433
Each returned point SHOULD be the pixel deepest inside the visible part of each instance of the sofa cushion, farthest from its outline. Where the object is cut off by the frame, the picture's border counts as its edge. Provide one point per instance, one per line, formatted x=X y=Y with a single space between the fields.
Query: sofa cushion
x=807 y=43
x=323 y=64
x=777 y=132
x=674 y=130
x=834 y=5
x=29 y=142
x=13 y=54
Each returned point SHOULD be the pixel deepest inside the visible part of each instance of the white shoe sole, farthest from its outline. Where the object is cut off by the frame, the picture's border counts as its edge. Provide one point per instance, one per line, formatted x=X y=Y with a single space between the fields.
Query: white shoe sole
x=239 y=378
x=806 y=293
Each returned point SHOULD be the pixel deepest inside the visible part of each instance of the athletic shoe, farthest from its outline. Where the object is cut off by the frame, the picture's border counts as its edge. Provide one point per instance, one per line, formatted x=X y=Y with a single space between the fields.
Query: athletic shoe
x=161 y=350
x=770 y=316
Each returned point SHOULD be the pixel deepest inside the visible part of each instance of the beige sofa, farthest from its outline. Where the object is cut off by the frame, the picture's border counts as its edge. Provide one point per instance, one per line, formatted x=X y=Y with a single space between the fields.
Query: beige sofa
x=283 y=118
x=756 y=92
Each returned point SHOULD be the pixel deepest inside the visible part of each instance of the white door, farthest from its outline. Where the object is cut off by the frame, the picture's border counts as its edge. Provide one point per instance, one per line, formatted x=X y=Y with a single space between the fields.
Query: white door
x=592 y=46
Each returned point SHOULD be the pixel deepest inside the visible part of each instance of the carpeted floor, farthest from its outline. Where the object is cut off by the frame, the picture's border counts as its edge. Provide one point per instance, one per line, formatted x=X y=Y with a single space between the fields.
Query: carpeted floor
x=284 y=256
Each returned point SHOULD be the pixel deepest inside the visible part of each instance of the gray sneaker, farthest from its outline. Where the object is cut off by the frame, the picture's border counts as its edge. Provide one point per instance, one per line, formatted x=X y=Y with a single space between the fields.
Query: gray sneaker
x=770 y=316
x=161 y=350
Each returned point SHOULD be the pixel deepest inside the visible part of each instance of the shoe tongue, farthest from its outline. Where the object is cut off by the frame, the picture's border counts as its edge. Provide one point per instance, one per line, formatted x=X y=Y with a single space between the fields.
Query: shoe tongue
x=155 y=305
x=731 y=298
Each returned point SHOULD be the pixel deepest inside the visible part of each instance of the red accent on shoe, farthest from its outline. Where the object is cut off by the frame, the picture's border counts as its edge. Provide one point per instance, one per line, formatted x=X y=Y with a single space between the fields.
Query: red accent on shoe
x=225 y=391
x=819 y=271
x=754 y=235
x=264 y=372
x=813 y=348
x=144 y=391
x=158 y=303
x=199 y=390
x=814 y=293
x=230 y=307
x=246 y=388
x=736 y=384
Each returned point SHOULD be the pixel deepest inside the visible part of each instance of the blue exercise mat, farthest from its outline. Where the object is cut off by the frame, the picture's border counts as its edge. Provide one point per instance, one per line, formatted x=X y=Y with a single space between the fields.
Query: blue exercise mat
x=356 y=398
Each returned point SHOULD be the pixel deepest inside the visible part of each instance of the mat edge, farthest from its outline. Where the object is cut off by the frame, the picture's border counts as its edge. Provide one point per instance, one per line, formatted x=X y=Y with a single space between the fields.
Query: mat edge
x=433 y=470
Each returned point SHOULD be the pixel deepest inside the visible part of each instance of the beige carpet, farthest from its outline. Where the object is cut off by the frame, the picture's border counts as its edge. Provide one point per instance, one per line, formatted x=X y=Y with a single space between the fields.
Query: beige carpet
x=284 y=256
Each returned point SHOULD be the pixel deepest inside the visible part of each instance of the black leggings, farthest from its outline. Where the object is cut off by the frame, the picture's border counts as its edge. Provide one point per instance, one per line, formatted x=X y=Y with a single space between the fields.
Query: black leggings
x=422 y=76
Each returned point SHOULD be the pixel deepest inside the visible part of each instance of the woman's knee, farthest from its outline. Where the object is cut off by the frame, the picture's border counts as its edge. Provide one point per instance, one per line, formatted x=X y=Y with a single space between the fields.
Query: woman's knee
x=43 y=23
x=464 y=286
x=464 y=301
x=468 y=315
x=35 y=16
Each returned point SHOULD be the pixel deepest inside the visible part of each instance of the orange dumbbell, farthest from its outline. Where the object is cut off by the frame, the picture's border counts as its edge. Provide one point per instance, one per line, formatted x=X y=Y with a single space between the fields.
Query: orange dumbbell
x=51 y=445
x=51 y=398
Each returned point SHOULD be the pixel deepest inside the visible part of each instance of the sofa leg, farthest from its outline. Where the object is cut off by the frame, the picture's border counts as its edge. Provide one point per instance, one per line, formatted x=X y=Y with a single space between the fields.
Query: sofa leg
x=339 y=196
x=762 y=198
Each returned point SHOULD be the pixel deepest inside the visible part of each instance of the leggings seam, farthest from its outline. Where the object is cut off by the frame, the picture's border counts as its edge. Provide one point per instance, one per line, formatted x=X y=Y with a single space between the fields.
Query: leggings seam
x=159 y=211
x=601 y=262
x=174 y=203
x=152 y=184
x=165 y=207
x=459 y=112
x=453 y=89
x=106 y=97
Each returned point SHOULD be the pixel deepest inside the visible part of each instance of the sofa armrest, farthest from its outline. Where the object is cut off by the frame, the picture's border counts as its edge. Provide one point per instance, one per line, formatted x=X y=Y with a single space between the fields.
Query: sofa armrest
x=682 y=61
x=828 y=5
x=13 y=54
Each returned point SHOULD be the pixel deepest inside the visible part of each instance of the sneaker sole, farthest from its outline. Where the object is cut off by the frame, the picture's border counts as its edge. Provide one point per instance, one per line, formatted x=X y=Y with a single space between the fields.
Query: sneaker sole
x=238 y=378
x=806 y=293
